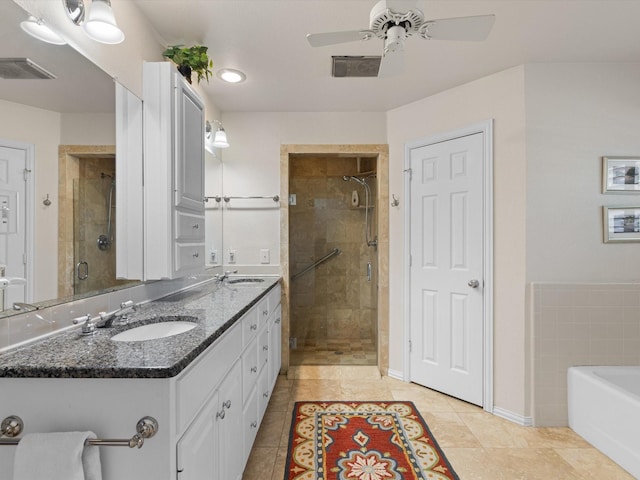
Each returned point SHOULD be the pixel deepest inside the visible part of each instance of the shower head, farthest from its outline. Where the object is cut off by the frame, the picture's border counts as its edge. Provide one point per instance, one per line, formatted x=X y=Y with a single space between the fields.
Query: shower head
x=355 y=179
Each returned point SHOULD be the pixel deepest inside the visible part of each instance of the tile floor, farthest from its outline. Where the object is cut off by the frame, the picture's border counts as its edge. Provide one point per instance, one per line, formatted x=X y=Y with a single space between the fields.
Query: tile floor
x=335 y=352
x=479 y=446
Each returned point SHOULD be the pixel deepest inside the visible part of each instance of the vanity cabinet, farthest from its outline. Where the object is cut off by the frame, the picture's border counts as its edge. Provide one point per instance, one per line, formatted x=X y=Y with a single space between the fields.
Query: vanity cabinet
x=208 y=414
x=174 y=234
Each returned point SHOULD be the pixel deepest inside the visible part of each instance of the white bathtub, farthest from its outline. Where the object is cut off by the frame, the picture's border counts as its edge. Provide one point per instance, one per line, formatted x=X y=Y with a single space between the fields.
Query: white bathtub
x=604 y=409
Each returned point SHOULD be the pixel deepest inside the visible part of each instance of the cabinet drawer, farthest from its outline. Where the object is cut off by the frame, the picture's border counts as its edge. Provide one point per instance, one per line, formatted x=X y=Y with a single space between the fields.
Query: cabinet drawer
x=189 y=255
x=263 y=348
x=189 y=227
x=249 y=326
x=195 y=384
x=249 y=369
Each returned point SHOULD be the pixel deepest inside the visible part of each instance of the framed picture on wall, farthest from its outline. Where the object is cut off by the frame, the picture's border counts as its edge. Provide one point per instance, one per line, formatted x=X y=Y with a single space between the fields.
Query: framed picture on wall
x=621 y=224
x=620 y=174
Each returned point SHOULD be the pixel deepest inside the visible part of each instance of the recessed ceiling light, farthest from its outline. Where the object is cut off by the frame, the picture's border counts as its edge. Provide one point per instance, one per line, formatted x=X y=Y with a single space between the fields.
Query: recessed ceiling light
x=231 y=76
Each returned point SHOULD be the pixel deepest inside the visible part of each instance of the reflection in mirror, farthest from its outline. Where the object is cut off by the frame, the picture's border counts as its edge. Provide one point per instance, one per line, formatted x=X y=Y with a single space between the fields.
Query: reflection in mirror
x=57 y=136
x=213 y=209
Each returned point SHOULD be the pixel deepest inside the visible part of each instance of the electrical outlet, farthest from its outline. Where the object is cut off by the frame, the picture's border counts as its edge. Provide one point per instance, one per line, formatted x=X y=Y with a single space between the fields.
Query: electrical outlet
x=264 y=255
x=214 y=256
x=232 y=256
x=292 y=199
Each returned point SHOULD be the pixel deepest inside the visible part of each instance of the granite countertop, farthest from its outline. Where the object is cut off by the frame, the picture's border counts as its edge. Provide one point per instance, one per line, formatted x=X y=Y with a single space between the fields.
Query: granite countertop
x=212 y=306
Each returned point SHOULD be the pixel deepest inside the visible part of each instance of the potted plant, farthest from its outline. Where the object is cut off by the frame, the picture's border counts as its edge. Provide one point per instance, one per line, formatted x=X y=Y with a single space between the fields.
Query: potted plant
x=190 y=59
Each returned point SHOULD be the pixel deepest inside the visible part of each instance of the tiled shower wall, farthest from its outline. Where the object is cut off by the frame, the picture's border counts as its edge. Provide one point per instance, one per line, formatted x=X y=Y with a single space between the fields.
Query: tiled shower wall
x=578 y=324
x=335 y=301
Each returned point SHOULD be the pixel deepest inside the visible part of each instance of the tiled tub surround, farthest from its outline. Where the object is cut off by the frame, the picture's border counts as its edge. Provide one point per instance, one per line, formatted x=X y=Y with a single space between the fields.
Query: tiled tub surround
x=578 y=324
x=213 y=306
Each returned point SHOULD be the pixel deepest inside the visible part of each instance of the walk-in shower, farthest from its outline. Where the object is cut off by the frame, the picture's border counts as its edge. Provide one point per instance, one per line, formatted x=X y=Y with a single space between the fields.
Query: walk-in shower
x=333 y=266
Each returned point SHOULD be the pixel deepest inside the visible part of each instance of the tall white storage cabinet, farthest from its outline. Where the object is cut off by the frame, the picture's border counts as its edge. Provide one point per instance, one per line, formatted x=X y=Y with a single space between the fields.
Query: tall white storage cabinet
x=174 y=244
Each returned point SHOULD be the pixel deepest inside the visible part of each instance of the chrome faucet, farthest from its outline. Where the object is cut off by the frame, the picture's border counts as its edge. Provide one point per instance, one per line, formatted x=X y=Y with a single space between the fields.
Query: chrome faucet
x=119 y=317
x=221 y=278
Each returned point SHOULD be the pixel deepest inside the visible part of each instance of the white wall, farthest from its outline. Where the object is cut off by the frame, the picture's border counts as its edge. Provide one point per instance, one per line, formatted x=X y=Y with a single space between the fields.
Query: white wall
x=252 y=167
x=577 y=113
x=501 y=97
x=88 y=129
x=41 y=128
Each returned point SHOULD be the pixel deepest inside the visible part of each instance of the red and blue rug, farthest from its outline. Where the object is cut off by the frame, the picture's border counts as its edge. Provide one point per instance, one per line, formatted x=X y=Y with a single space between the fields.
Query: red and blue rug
x=363 y=441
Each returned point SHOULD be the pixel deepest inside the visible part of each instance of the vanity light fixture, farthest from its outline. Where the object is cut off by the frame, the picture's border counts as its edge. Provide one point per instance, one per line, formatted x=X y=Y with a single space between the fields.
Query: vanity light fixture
x=101 y=23
x=230 y=75
x=220 y=137
x=38 y=29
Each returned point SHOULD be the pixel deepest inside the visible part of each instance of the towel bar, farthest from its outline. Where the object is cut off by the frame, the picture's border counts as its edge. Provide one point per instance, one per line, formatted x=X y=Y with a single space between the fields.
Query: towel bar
x=146 y=427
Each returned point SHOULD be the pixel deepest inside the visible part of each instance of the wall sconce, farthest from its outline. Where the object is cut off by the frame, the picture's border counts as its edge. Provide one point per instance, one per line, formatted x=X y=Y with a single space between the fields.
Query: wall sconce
x=38 y=29
x=100 y=24
x=220 y=137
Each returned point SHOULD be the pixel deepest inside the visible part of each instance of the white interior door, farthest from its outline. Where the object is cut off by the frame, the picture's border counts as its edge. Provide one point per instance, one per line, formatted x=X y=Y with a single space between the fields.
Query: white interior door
x=446 y=272
x=13 y=164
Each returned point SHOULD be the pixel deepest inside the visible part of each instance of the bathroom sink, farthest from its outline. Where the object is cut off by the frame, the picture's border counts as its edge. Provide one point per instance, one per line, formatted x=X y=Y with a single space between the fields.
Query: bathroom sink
x=248 y=280
x=153 y=331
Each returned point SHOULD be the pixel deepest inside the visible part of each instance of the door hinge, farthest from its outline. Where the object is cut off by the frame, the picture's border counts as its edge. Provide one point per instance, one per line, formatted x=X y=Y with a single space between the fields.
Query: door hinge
x=24 y=258
x=25 y=173
x=410 y=260
x=410 y=346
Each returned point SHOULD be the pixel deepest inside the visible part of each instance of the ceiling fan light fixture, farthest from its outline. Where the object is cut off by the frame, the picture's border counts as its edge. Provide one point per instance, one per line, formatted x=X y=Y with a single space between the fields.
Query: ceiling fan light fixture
x=38 y=29
x=101 y=23
x=230 y=75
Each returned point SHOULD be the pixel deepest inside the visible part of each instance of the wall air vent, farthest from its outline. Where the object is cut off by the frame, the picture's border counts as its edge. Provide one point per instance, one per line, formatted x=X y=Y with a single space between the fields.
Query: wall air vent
x=22 y=69
x=356 y=66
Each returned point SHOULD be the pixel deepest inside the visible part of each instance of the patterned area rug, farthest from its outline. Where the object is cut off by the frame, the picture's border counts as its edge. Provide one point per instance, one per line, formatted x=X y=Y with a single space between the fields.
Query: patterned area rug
x=363 y=441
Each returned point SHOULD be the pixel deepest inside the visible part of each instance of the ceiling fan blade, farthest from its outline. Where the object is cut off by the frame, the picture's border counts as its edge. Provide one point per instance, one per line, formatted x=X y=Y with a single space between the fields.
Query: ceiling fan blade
x=392 y=63
x=333 y=38
x=469 y=29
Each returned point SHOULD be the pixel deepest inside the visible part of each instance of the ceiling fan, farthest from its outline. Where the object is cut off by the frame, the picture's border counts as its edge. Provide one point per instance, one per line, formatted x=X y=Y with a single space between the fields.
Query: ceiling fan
x=396 y=20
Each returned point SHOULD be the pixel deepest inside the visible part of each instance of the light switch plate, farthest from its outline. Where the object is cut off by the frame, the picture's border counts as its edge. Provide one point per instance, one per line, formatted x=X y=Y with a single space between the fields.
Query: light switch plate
x=232 y=256
x=264 y=255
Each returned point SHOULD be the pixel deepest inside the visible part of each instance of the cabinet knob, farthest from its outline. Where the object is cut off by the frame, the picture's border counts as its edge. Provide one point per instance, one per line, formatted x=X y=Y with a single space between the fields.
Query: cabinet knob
x=265 y=394
x=220 y=414
x=254 y=369
x=277 y=320
x=226 y=404
x=254 y=424
x=254 y=326
x=196 y=255
x=265 y=312
x=265 y=347
x=196 y=226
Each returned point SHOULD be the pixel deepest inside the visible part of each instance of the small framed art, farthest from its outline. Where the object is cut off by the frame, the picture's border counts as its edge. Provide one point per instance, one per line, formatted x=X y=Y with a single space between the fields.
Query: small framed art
x=620 y=174
x=621 y=224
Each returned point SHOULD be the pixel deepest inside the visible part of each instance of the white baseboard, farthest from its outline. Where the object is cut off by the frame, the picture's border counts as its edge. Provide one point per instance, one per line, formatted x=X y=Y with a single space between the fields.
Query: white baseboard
x=512 y=417
x=395 y=374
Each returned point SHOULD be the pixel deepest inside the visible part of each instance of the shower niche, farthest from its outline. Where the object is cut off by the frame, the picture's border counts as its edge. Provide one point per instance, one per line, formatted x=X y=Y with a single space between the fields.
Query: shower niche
x=333 y=305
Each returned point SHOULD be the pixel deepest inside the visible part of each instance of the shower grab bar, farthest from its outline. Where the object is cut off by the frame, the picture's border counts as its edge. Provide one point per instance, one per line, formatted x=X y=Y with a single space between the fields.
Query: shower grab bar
x=217 y=198
x=332 y=253
x=146 y=427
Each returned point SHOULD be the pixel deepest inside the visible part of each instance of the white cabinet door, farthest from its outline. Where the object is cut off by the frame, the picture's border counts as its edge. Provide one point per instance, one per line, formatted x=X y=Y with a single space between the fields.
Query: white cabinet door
x=275 y=345
x=231 y=425
x=198 y=449
x=189 y=164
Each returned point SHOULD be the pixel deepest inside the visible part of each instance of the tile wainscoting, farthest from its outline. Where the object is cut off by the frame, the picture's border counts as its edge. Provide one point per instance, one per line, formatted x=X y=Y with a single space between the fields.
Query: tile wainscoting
x=578 y=324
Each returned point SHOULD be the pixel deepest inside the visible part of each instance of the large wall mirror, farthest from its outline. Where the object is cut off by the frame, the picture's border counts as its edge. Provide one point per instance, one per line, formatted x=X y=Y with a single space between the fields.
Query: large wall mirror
x=57 y=171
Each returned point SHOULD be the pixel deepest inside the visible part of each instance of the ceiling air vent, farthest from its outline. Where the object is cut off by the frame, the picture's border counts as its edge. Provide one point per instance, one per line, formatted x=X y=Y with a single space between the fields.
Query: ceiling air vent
x=359 y=66
x=22 y=69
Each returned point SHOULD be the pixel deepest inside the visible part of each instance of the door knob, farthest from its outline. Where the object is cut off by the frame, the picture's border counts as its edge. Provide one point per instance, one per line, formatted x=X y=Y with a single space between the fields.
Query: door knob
x=474 y=283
